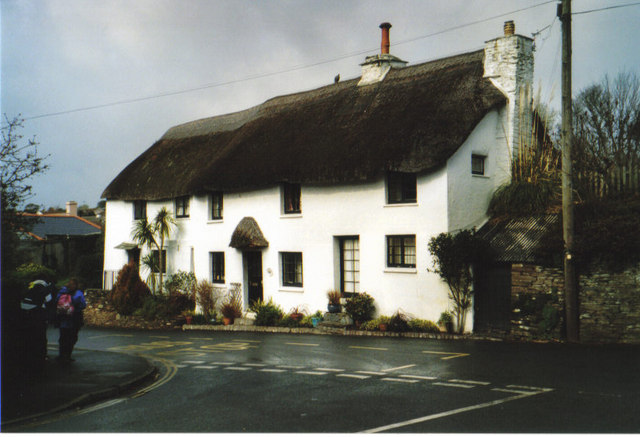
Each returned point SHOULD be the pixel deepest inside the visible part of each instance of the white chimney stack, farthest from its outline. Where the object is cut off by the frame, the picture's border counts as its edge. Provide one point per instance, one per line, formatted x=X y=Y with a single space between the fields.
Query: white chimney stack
x=376 y=67
x=72 y=208
x=508 y=63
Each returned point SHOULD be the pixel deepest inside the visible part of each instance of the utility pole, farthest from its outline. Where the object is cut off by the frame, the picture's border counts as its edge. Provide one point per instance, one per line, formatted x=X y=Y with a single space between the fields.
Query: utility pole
x=570 y=283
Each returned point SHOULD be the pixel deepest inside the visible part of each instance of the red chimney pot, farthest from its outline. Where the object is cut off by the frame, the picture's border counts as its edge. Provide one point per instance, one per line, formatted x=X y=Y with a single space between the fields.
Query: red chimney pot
x=384 y=45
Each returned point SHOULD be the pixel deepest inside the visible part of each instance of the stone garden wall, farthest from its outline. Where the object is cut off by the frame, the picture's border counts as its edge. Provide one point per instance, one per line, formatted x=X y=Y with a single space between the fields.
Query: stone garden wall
x=609 y=304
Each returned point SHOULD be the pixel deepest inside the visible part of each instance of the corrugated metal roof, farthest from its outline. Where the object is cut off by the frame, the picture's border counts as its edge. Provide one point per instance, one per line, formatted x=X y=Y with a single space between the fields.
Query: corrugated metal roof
x=517 y=239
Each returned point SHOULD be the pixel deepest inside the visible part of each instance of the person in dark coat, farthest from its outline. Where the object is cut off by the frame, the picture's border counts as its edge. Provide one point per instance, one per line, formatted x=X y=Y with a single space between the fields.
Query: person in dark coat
x=70 y=324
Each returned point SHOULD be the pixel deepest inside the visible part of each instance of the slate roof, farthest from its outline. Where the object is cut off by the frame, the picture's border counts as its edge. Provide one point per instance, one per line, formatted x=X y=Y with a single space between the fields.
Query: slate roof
x=47 y=225
x=517 y=240
x=413 y=120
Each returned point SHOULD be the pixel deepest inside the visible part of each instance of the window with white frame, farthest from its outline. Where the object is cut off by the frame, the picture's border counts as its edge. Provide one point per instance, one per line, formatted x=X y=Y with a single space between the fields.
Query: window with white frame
x=217 y=267
x=401 y=251
x=215 y=205
x=182 y=206
x=291 y=269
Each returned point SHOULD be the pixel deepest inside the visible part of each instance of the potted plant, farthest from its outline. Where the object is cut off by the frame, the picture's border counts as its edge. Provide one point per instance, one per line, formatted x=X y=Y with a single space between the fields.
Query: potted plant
x=231 y=308
x=296 y=314
x=334 y=301
x=383 y=323
x=316 y=318
x=446 y=322
x=188 y=317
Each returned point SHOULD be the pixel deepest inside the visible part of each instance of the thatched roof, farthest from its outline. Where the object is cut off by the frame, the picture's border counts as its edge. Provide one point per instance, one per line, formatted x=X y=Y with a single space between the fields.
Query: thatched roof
x=248 y=235
x=413 y=121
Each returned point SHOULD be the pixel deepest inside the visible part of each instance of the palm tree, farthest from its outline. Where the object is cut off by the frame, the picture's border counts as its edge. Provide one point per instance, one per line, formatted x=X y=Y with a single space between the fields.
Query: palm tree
x=153 y=235
x=151 y=264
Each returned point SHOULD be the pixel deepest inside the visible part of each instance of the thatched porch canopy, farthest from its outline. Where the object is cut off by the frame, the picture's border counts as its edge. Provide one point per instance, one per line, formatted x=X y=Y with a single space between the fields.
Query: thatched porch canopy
x=248 y=235
x=413 y=120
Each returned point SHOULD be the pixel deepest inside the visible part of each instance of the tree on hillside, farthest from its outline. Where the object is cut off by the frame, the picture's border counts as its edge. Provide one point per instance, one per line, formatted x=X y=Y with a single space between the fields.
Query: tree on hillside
x=607 y=124
x=19 y=163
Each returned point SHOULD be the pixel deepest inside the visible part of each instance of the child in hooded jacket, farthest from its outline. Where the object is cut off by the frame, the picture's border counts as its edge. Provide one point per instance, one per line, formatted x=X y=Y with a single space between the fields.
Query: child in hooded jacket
x=70 y=324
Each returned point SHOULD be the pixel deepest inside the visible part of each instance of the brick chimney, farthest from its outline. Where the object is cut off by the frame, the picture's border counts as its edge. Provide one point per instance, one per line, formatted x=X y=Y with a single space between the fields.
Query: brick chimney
x=376 y=67
x=508 y=63
x=72 y=208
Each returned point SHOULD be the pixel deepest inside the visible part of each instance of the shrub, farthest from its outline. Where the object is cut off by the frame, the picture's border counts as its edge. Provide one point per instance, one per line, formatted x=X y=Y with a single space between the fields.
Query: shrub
x=26 y=273
x=306 y=322
x=267 y=313
x=360 y=307
x=181 y=282
x=374 y=325
x=398 y=323
x=207 y=297
x=232 y=305
x=129 y=292
x=288 y=322
x=179 y=302
x=334 y=297
x=420 y=325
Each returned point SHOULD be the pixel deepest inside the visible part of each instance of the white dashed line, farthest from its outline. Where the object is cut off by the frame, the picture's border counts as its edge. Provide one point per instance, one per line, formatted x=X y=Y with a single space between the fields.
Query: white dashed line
x=463 y=381
x=526 y=387
x=399 y=368
x=254 y=365
x=193 y=362
x=323 y=369
x=237 y=368
x=180 y=366
x=272 y=370
x=448 y=384
x=506 y=390
x=311 y=372
x=217 y=363
x=205 y=367
x=428 y=378
x=290 y=367
x=350 y=375
x=408 y=381
x=368 y=372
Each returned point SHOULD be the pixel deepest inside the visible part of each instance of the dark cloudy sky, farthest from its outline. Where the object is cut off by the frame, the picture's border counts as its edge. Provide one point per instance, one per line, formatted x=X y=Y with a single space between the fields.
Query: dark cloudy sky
x=60 y=56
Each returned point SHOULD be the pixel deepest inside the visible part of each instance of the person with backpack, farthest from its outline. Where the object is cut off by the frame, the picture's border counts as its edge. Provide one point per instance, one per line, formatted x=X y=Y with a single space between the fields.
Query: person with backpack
x=70 y=304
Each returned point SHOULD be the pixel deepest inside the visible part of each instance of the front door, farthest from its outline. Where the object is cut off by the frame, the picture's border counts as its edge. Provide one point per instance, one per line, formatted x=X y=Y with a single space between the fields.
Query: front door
x=492 y=298
x=350 y=265
x=253 y=262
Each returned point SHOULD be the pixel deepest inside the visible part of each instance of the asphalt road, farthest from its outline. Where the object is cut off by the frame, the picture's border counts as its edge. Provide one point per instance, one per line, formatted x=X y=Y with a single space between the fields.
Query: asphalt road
x=245 y=382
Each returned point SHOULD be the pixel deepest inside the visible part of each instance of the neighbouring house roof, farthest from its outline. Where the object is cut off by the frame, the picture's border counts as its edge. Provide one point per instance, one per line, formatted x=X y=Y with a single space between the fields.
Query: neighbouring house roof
x=518 y=240
x=248 y=235
x=44 y=226
x=413 y=120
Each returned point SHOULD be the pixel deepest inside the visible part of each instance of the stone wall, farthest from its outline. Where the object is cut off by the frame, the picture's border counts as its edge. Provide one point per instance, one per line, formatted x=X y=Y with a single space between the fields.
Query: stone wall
x=609 y=304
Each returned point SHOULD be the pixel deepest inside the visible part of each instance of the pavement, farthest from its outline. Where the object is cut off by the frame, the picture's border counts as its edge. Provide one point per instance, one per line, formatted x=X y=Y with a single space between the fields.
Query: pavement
x=92 y=377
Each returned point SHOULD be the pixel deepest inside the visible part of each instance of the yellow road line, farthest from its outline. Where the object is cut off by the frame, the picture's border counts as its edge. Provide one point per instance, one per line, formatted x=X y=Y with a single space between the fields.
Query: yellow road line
x=370 y=348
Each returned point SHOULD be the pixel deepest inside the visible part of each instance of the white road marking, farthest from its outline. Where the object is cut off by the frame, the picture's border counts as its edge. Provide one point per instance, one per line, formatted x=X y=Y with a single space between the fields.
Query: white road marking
x=218 y=363
x=367 y=372
x=272 y=370
x=429 y=378
x=323 y=369
x=386 y=428
x=350 y=375
x=248 y=341
x=408 y=381
x=506 y=390
x=205 y=367
x=449 y=356
x=193 y=362
x=303 y=344
x=369 y=348
x=237 y=368
x=399 y=368
x=448 y=384
x=526 y=387
x=180 y=366
x=291 y=367
x=100 y=406
x=466 y=381
x=310 y=372
x=254 y=365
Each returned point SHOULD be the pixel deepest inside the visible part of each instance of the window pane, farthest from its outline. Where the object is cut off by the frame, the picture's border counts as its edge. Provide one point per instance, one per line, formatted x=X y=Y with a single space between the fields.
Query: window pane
x=477 y=164
x=292 y=269
x=291 y=198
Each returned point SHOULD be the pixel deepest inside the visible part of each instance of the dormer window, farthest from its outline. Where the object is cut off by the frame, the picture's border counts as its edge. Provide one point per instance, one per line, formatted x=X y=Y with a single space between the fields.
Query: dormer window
x=139 y=209
x=401 y=187
x=291 y=198
x=477 y=164
x=182 y=206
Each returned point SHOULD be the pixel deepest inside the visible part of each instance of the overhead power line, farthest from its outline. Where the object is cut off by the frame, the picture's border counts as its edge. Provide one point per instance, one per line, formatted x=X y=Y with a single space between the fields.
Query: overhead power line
x=606 y=8
x=290 y=69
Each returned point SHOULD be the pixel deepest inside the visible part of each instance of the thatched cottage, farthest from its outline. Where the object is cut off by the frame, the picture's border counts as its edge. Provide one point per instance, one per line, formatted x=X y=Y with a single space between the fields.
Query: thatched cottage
x=340 y=187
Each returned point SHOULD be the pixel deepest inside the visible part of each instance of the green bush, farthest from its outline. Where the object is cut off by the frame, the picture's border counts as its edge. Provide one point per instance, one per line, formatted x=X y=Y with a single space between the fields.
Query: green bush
x=420 y=325
x=26 y=273
x=181 y=282
x=360 y=307
x=288 y=322
x=129 y=292
x=306 y=322
x=374 y=325
x=267 y=313
x=207 y=296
